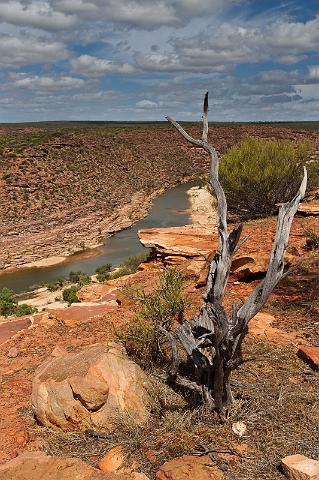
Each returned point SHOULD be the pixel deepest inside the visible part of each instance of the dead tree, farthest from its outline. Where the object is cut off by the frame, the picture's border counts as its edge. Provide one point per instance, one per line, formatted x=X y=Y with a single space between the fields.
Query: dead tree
x=213 y=340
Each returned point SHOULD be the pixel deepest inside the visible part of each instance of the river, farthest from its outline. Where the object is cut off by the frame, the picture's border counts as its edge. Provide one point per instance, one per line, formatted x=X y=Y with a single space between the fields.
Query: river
x=168 y=210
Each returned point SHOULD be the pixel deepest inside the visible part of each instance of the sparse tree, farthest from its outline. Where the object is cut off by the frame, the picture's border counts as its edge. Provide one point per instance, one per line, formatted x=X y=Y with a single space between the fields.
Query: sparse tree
x=213 y=340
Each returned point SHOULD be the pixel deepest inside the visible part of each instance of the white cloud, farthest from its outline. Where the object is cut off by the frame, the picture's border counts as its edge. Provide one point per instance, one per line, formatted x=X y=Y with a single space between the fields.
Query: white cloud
x=46 y=83
x=54 y=15
x=143 y=13
x=220 y=47
x=94 y=67
x=17 y=51
x=38 y=14
x=314 y=73
x=278 y=77
x=146 y=104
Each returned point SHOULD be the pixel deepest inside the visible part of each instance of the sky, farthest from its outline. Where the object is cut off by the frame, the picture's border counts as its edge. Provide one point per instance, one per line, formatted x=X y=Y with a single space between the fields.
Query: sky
x=142 y=60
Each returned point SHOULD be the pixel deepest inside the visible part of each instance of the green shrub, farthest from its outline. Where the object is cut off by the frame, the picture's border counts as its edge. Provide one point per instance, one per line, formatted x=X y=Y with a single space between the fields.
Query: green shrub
x=84 y=280
x=102 y=272
x=166 y=303
x=69 y=294
x=201 y=180
x=120 y=272
x=104 y=268
x=24 y=309
x=74 y=277
x=259 y=173
x=157 y=309
x=132 y=263
x=128 y=267
x=8 y=303
x=102 y=277
x=313 y=174
x=9 y=306
x=80 y=278
x=312 y=240
x=53 y=286
x=140 y=340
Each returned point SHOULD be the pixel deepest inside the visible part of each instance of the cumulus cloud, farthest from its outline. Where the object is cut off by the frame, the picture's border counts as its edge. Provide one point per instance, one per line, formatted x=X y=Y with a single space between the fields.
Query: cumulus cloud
x=38 y=14
x=95 y=67
x=47 y=83
x=53 y=15
x=278 y=77
x=146 y=104
x=17 y=51
x=313 y=73
x=143 y=13
x=219 y=48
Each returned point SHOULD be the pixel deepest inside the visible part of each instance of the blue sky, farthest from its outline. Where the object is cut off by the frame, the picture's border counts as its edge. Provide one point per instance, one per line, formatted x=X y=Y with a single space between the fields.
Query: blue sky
x=142 y=60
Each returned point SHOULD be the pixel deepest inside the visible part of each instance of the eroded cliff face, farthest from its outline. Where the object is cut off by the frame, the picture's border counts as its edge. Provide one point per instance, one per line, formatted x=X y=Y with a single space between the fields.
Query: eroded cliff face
x=61 y=193
x=43 y=244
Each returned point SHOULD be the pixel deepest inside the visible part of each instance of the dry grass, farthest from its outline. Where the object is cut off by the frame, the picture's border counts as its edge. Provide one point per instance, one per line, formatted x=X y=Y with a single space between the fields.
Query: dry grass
x=277 y=399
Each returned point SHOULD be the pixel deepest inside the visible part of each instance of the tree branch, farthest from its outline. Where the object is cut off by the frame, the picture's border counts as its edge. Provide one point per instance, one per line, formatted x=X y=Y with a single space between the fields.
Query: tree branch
x=260 y=294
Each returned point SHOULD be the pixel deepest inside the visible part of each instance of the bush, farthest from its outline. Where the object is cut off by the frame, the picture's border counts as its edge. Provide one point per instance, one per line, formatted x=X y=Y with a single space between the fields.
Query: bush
x=132 y=263
x=24 y=309
x=128 y=267
x=158 y=309
x=80 y=278
x=9 y=306
x=69 y=294
x=74 y=277
x=201 y=180
x=120 y=272
x=8 y=303
x=104 y=268
x=312 y=240
x=166 y=303
x=102 y=272
x=258 y=174
x=84 y=280
x=53 y=286
x=313 y=174
x=102 y=277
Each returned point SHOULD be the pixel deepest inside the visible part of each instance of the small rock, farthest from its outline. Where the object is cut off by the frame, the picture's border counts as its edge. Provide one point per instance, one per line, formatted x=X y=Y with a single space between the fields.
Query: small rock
x=150 y=455
x=13 y=352
x=310 y=355
x=113 y=459
x=22 y=438
x=299 y=467
x=139 y=476
x=239 y=428
x=38 y=466
x=58 y=351
x=189 y=467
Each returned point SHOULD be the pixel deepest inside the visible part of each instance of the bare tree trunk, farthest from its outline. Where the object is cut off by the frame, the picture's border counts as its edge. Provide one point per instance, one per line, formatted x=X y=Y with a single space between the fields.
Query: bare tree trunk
x=213 y=340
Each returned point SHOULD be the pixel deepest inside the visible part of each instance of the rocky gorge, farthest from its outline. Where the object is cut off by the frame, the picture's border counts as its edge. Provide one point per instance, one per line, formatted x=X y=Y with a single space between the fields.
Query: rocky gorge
x=64 y=192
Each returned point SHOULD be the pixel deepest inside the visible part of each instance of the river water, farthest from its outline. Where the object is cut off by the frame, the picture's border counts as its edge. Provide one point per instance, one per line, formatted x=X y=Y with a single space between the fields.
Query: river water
x=167 y=211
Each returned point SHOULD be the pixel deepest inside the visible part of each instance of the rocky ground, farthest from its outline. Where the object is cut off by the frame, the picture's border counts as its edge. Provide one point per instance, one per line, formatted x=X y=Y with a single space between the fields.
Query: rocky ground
x=276 y=413
x=62 y=190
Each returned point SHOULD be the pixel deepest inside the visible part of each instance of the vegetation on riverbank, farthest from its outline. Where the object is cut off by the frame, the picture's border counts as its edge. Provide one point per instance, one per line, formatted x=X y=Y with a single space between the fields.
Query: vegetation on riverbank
x=9 y=305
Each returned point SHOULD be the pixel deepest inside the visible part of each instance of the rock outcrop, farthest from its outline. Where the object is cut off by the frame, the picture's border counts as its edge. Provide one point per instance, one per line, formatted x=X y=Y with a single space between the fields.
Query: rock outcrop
x=188 y=241
x=310 y=355
x=299 y=467
x=309 y=208
x=198 y=243
x=189 y=467
x=90 y=389
x=39 y=466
